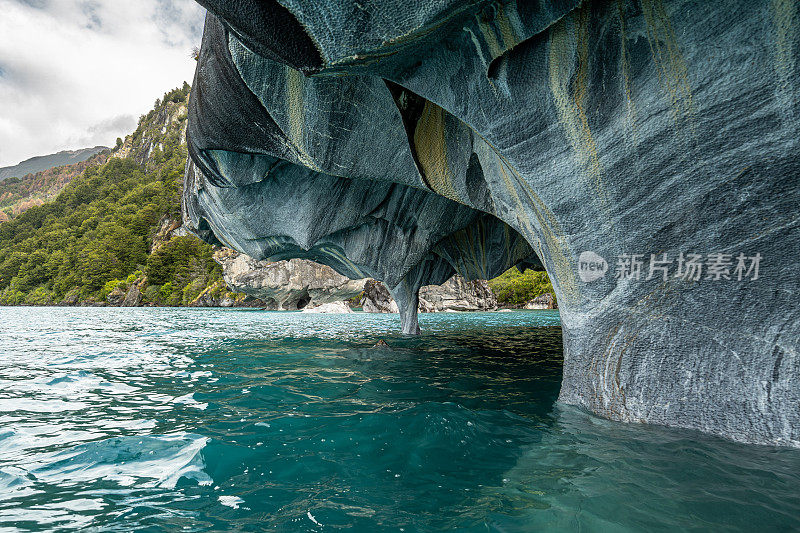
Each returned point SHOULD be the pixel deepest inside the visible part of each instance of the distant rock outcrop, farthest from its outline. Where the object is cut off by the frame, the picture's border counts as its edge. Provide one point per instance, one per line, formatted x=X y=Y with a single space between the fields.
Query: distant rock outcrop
x=168 y=118
x=378 y=299
x=216 y=295
x=286 y=285
x=116 y=297
x=543 y=301
x=133 y=298
x=167 y=228
x=329 y=308
x=302 y=284
x=456 y=294
x=120 y=297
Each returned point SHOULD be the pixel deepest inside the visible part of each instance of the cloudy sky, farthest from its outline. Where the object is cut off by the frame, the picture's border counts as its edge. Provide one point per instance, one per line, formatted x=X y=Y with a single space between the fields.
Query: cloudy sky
x=79 y=73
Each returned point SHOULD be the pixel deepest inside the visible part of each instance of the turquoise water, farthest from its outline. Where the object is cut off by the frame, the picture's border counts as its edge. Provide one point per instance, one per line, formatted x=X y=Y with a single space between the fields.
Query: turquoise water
x=241 y=420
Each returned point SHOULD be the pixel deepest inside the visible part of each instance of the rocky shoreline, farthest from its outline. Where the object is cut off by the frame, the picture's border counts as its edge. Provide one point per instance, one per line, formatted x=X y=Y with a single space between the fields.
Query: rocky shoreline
x=303 y=285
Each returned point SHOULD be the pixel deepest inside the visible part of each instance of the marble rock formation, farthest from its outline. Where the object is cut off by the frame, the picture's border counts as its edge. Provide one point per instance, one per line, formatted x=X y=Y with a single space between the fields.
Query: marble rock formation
x=543 y=301
x=378 y=299
x=455 y=294
x=336 y=308
x=644 y=152
x=286 y=285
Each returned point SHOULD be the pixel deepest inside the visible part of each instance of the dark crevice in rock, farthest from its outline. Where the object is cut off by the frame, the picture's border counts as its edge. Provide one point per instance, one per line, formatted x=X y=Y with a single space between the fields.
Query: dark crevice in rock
x=269 y=29
x=234 y=122
x=411 y=106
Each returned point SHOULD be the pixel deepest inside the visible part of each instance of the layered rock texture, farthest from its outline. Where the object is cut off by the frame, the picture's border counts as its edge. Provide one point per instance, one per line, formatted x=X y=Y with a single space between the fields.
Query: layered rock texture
x=300 y=284
x=544 y=301
x=408 y=141
x=286 y=285
x=455 y=294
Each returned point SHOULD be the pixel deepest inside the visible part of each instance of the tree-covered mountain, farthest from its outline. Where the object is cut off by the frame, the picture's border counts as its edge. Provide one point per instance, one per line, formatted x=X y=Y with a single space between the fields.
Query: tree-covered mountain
x=112 y=227
x=20 y=194
x=44 y=162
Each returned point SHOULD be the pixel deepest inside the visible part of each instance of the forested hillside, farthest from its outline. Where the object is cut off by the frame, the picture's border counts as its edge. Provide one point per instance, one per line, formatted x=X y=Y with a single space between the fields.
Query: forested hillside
x=105 y=231
x=20 y=194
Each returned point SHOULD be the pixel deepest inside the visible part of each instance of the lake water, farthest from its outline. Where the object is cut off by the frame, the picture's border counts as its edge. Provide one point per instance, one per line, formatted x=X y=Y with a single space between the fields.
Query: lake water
x=242 y=420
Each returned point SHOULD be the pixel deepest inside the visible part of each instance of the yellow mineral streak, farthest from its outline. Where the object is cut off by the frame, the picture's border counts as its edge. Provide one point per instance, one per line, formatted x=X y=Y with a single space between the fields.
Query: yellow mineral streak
x=295 y=110
x=431 y=148
x=672 y=72
x=550 y=229
x=625 y=61
x=510 y=38
x=570 y=95
x=429 y=141
x=336 y=254
x=487 y=30
x=784 y=13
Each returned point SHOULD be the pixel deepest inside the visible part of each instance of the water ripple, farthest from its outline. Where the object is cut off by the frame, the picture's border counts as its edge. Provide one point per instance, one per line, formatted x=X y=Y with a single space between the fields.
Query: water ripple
x=208 y=420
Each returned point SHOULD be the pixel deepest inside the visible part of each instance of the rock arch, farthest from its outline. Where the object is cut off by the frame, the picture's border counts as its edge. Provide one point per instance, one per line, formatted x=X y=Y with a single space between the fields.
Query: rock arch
x=428 y=138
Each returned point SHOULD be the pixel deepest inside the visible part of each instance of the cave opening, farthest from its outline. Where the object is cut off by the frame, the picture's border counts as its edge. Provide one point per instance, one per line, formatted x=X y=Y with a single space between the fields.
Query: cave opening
x=303 y=302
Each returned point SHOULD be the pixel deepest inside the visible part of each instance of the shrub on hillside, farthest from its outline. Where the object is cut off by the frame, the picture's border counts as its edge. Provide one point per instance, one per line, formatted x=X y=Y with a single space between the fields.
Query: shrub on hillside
x=516 y=288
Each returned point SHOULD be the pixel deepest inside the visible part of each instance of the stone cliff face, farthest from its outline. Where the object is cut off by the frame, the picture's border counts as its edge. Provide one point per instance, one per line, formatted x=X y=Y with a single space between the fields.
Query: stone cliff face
x=644 y=152
x=286 y=285
x=166 y=118
x=455 y=294
x=300 y=284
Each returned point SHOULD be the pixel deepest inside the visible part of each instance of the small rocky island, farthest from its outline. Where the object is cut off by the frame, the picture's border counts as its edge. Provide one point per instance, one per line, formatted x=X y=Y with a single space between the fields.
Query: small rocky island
x=643 y=152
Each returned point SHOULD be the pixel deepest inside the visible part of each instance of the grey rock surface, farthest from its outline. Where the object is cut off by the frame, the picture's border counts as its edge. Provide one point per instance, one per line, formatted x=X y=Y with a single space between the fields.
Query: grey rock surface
x=408 y=141
x=378 y=299
x=72 y=297
x=133 y=298
x=116 y=297
x=543 y=301
x=335 y=308
x=286 y=285
x=457 y=294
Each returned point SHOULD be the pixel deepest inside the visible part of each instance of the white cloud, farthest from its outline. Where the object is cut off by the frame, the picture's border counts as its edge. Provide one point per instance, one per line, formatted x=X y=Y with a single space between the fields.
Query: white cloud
x=76 y=73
